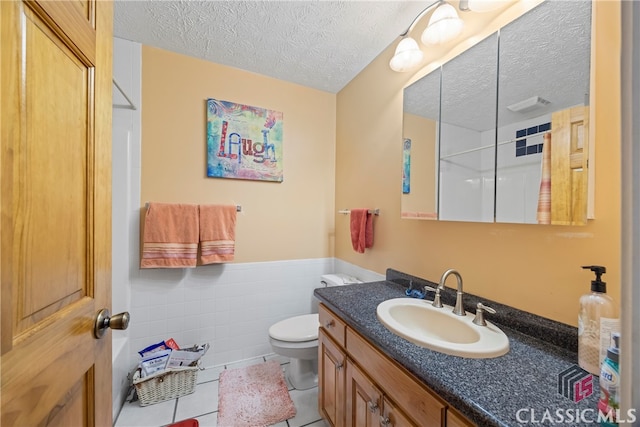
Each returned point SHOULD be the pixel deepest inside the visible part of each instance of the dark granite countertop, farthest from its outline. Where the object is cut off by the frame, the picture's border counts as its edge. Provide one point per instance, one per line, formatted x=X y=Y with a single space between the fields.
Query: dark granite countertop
x=521 y=387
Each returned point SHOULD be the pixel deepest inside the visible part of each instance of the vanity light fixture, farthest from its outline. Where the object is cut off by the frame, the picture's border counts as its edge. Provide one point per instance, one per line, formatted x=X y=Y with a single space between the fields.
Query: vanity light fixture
x=444 y=25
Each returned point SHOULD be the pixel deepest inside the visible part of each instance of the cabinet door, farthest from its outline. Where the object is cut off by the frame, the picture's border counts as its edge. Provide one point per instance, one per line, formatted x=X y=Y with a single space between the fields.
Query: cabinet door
x=392 y=416
x=331 y=399
x=426 y=409
x=363 y=399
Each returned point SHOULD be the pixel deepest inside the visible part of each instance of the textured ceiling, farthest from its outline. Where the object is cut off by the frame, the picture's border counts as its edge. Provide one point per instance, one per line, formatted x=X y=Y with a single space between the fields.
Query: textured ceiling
x=545 y=53
x=319 y=44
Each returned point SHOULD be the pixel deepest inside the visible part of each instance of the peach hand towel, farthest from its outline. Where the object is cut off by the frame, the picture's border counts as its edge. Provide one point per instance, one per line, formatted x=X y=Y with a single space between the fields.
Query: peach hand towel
x=361 y=230
x=544 y=199
x=217 y=233
x=170 y=238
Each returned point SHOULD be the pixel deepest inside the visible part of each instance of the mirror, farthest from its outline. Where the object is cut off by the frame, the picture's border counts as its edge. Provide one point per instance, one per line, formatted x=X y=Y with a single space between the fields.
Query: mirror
x=487 y=160
x=421 y=110
x=543 y=99
x=467 y=134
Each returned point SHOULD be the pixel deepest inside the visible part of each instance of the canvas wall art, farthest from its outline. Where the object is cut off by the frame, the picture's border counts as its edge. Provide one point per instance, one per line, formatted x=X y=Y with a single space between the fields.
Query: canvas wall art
x=243 y=142
x=406 y=166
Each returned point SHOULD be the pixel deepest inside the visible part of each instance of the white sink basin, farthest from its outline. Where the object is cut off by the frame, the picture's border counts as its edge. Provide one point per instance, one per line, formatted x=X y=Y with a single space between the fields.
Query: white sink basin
x=439 y=329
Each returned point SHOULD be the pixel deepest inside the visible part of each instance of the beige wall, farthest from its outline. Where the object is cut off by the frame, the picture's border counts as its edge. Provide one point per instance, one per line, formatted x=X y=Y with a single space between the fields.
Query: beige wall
x=532 y=267
x=279 y=221
x=420 y=202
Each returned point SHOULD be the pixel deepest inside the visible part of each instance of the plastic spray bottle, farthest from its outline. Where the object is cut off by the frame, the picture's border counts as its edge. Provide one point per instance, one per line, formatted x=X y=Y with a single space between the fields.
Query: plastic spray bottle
x=609 y=404
x=597 y=320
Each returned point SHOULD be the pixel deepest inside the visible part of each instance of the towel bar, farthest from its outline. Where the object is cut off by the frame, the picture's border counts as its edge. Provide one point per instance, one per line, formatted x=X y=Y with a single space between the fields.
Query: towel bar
x=371 y=211
x=238 y=207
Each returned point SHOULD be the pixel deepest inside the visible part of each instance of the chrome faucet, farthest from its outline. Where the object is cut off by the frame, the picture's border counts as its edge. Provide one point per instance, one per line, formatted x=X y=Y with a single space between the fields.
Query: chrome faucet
x=458 y=309
x=479 y=319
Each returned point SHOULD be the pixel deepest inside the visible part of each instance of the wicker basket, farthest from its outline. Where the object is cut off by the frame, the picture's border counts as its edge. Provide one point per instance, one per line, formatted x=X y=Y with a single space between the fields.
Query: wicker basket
x=166 y=385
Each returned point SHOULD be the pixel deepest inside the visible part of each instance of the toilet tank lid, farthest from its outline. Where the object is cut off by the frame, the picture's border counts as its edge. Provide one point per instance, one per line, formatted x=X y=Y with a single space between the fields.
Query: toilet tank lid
x=338 y=279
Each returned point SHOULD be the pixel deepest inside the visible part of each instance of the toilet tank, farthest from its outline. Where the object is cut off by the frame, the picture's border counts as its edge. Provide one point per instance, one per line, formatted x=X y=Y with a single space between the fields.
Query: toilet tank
x=328 y=280
x=338 y=279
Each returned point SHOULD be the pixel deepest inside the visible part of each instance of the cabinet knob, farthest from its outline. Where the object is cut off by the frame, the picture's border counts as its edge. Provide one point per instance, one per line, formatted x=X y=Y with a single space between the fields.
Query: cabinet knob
x=329 y=323
x=339 y=366
x=385 y=421
x=373 y=406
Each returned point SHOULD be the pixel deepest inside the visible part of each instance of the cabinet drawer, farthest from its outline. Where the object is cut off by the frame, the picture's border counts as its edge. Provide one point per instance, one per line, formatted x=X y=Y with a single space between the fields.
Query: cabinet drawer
x=417 y=401
x=332 y=324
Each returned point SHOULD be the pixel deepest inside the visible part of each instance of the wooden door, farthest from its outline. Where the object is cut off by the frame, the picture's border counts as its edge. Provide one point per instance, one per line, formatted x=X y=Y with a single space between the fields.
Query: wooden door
x=569 y=164
x=363 y=399
x=55 y=224
x=331 y=377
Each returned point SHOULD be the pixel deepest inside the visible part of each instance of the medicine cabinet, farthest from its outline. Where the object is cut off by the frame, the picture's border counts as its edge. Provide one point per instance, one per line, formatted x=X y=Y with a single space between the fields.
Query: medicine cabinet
x=475 y=129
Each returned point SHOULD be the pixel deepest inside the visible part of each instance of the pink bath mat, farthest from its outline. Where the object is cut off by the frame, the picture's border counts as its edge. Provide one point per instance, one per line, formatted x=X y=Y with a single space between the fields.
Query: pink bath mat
x=254 y=396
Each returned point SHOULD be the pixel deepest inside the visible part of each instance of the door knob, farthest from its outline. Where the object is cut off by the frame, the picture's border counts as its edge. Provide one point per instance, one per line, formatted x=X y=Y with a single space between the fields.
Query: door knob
x=104 y=320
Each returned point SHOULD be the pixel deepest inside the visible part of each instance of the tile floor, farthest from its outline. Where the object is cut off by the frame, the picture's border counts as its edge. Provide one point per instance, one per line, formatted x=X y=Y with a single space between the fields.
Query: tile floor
x=203 y=404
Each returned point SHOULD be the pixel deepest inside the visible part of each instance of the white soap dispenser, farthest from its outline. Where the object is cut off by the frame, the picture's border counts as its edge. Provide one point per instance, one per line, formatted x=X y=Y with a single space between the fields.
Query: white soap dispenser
x=597 y=320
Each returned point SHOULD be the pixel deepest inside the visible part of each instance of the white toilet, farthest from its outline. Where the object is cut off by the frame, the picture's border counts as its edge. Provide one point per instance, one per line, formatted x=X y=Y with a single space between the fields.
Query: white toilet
x=297 y=339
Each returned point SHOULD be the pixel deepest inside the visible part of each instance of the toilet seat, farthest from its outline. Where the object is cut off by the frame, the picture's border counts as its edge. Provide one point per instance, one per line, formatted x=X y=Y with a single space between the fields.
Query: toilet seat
x=296 y=329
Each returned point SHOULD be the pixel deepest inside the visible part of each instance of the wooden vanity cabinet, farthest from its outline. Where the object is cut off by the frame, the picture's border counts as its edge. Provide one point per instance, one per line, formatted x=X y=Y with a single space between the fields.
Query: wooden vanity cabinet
x=417 y=402
x=393 y=415
x=331 y=380
x=456 y=420
x=363 y=399
x=359 y=386
x=366 y=405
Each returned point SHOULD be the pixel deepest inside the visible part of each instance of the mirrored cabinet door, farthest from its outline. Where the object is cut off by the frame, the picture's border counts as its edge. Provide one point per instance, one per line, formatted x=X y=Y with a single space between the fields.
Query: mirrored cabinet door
x=468 y=134
x=543 y=112
x=501 y=131
x=421 y=110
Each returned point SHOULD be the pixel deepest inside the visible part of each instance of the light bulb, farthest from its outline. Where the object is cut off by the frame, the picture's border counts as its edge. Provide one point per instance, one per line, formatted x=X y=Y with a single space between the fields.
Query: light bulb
x=407 y=55
x=444 y=25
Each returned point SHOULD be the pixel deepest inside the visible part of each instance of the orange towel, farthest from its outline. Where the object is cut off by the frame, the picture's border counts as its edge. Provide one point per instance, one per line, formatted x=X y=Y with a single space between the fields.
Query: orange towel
x=217 y=233
x=170 y=238
x=361 y=230
x=544 y=198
